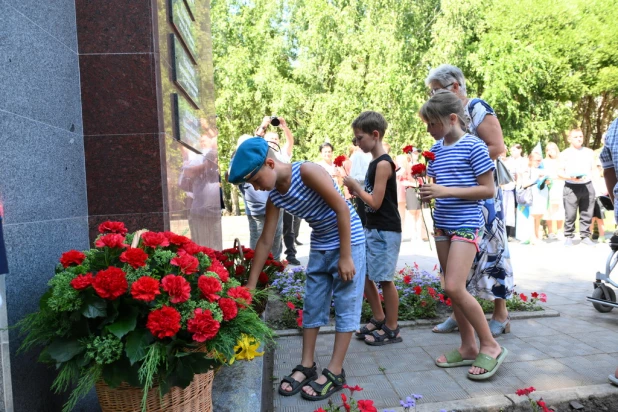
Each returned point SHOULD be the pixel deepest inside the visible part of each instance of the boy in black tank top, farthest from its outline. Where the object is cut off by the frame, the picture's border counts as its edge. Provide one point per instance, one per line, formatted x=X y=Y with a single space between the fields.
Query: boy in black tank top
x=382 y=231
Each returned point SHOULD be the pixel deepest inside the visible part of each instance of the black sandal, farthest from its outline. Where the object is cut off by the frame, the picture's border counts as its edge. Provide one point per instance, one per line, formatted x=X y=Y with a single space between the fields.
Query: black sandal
x=364 y=331
x=334 y=383
x=310 y=374
x=389 y=336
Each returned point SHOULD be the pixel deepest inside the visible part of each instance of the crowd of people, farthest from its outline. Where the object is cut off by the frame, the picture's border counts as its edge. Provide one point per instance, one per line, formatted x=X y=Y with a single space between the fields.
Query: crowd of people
x=549 y=191
x=357 y=208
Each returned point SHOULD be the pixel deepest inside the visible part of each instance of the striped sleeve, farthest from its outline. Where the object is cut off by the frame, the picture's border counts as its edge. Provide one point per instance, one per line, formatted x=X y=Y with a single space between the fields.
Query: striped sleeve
x=611 y=144
x=479 y=158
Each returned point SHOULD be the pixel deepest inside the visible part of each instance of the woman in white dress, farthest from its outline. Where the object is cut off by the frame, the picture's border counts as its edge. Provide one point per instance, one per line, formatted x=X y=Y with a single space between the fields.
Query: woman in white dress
x=531 y=215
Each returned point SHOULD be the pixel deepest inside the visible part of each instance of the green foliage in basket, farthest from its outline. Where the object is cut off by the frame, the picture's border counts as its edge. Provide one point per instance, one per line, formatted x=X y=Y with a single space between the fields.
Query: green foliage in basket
x=158 y=312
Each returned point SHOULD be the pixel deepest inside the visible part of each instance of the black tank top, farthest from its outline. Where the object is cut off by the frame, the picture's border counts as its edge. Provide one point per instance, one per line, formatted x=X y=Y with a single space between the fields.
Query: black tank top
x=387 y=216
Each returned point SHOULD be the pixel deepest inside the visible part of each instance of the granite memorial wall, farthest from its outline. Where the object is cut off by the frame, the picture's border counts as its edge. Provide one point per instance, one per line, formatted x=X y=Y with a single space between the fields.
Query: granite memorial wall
x=106 y=113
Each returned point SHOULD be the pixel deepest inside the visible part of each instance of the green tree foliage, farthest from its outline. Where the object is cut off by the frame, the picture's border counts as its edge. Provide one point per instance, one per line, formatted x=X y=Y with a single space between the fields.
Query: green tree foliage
x=545 y=66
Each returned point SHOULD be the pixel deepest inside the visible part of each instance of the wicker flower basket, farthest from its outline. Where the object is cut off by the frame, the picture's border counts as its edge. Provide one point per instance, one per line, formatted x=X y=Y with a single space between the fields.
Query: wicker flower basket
x=196 y=397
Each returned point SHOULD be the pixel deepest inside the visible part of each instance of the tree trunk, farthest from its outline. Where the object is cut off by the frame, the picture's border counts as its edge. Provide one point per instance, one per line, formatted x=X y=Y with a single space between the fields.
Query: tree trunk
x=235 y=206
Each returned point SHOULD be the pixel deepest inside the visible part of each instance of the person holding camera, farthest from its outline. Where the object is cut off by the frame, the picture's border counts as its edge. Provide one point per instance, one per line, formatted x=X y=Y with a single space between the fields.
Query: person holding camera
x=284 y=154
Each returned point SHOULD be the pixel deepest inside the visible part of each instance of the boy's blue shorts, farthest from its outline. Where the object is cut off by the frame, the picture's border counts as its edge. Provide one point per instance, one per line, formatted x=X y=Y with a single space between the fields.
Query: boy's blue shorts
x=382 y=253
x=323 y=283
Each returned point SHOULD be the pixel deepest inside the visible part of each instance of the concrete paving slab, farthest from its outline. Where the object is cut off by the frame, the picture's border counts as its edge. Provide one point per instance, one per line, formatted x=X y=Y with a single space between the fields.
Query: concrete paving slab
x=563 y=357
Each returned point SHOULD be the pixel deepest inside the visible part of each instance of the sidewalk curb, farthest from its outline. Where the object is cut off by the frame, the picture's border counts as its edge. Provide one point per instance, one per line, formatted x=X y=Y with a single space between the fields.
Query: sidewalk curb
x=498 y=402
x=546 y=313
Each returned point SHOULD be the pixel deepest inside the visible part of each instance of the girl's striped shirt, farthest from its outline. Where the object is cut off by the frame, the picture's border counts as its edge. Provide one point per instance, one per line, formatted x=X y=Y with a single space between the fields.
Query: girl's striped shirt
x=458 y=165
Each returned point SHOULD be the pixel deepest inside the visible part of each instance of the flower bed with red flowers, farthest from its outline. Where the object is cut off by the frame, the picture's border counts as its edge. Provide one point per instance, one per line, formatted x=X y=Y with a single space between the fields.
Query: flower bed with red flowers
x=136 y=314
x=237 y=262
x=420 y=297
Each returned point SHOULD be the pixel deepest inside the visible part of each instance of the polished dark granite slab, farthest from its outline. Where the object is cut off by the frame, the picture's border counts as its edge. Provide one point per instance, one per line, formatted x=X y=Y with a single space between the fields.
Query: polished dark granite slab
x=114 y=26
x=123 y=174
x=119 y=94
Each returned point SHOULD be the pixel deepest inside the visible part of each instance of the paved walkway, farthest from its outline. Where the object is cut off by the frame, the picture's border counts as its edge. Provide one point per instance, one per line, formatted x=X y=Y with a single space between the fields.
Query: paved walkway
x=580 y=348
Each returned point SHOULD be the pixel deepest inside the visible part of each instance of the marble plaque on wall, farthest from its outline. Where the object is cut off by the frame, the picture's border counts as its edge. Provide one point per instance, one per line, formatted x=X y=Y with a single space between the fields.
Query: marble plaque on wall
x=183 y=23
x=184 y=72
x=187 y=125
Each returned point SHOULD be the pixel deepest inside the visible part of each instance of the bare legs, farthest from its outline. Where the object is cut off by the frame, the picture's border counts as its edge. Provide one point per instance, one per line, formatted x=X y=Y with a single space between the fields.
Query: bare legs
x=468 y=312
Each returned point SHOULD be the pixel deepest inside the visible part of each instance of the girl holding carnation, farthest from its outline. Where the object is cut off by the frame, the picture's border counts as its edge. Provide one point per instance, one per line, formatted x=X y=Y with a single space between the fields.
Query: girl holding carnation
x=462 y=175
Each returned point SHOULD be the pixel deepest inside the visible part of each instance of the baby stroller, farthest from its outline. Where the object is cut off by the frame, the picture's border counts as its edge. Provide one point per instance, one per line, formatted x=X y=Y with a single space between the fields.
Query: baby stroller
x=603 y=296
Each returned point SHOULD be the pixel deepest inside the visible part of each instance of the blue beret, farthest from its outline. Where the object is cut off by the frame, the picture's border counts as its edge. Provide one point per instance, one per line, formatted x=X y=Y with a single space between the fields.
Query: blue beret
x=248 y=160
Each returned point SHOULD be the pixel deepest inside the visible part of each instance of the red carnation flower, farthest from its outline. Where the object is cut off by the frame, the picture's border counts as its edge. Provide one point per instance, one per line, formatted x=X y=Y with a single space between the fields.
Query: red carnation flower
x=249 y=254
x=203 y=326
x=534 y=295
x=366 y=405
x=110 y=283
x=209 y=286
x=145 y=288
x=240 y=269
x=113 y=227
x=220 y=270
x=448 y=302
x=431 y=156
x=408 y=149
x=188 y=264
x=72 y=257
x=525 y=391
x=299 y=319
x=228 y=263
x=176 y=239
x=155 y=239
x=419 y=169
x=241 y=294
x=418 y=290
x=82 y=281
x=135 y=257
x=112 y=240
x=407 y=279
x=523 y=297
x=263 y=278
x=164 y=322
x=229 y=308
x=432 y=292
x=339 y=160
x=291 y=305
x=177 y=287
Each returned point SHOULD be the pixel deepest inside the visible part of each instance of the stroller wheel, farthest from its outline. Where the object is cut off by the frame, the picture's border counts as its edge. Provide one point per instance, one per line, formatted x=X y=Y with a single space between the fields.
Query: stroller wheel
x=604 y=293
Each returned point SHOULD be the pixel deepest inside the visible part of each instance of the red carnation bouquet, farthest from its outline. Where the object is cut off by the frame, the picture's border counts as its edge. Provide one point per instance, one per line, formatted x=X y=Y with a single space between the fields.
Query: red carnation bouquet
x=144 y=308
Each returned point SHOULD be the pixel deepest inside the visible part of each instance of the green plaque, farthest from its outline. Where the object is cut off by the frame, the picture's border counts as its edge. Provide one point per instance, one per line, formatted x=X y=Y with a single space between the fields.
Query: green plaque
x=182 y=22
x=184 y=72
x=188 y=128
x=191 y=7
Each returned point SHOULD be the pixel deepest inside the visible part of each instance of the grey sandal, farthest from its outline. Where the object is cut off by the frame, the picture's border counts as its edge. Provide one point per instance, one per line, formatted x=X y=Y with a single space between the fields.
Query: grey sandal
x=448 y=326
x=498 y=328
x=364 y=331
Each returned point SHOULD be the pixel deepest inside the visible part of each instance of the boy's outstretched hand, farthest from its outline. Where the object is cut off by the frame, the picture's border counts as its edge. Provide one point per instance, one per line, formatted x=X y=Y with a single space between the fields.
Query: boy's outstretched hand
x=346 y=269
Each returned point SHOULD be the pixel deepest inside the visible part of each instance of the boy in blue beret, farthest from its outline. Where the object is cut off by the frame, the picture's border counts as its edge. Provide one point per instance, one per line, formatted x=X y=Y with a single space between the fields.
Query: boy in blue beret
x=336 y=267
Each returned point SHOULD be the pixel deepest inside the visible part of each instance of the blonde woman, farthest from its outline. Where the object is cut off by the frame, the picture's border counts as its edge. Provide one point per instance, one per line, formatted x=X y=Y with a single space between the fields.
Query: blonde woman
x=554 y=217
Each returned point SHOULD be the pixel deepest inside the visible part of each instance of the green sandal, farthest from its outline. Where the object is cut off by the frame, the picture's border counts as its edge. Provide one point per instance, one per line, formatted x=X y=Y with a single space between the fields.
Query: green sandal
x=334 y=383
x=488 y=363
x=364 y=331
x=453 y=360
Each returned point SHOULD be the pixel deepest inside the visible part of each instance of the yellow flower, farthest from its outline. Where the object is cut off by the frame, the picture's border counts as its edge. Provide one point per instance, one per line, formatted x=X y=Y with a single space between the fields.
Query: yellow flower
x=246 y=348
